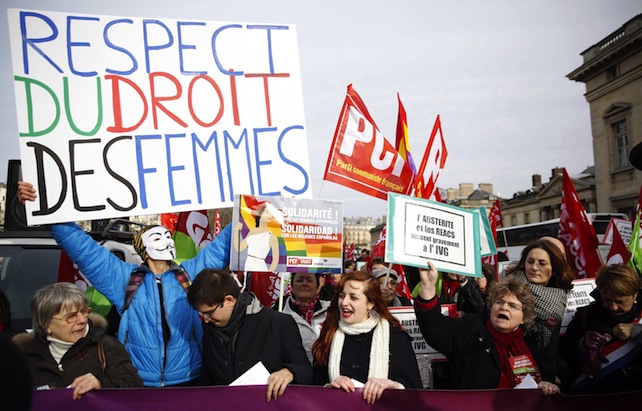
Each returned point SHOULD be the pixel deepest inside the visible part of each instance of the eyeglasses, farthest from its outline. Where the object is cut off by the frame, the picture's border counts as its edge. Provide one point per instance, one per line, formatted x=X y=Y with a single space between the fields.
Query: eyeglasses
x=208 y=314
x=72 y=317
x=512 y=306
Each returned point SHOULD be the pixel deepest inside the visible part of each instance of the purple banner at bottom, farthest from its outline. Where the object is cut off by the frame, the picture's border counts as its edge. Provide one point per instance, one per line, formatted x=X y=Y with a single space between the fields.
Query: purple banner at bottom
x=297 y=398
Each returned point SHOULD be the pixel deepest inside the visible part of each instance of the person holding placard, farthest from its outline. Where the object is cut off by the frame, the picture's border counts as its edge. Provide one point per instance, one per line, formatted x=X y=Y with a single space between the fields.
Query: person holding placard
x=362 y=344
x=159 y=329
x=488 y=353
x=239 y=332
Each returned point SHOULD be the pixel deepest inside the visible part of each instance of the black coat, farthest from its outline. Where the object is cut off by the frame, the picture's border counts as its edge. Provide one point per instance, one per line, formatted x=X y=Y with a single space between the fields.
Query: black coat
x=80 y=359
x=470 y=349
x=355 y=360
x=596 y=318
x=281 y=348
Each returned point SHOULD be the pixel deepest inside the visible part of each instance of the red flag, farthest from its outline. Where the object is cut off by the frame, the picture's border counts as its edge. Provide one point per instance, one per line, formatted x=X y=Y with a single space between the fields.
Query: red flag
x=266 y=286
x=360 y=156
x=495 y=219
x=432 y=164
x=577 y=233
x=68 y=272
x=403 y=144
x=351 y=251
x=619 y=253
x=217 y=223
x=169 y=220
x=192 y=233
x=379 y=250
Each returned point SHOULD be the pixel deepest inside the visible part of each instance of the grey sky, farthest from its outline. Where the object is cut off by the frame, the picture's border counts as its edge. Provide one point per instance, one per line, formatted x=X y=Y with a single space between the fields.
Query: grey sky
x=494 y=70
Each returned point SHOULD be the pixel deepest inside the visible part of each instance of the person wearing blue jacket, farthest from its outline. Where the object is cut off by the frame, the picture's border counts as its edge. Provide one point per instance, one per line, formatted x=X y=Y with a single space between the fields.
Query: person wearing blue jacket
x=158 y=327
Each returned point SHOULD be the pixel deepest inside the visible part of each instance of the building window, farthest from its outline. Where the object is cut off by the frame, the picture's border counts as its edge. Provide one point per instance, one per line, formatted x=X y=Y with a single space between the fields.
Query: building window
x=612 y=72
x=527 y=218
x=621 y=134
x=513 y=221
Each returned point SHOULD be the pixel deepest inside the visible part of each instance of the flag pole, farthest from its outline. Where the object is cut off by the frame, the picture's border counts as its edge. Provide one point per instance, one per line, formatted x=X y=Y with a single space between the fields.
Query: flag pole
x=281 y=288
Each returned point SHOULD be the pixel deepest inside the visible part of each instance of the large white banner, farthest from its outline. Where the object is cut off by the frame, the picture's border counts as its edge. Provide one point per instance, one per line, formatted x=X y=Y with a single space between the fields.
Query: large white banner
x=124 y=116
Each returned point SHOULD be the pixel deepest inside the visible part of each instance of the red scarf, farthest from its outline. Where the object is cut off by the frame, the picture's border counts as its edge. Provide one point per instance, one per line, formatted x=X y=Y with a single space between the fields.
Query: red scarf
x=508 y=345
x=449 y=288
x=306 y=310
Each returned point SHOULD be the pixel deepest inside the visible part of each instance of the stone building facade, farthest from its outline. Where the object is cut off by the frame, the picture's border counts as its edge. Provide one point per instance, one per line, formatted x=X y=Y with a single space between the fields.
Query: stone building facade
x=467 y=197
x=612 y=73
x=356 y=230
x=542 y=201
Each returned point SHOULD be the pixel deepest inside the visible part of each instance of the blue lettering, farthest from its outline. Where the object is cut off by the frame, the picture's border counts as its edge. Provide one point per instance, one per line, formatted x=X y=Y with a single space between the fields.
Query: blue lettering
x=172 y=168
x=113 y=46
x=260 y=163
x=142 y=170
x=215 y=54
x=33 y=42
x=182 y=47
x=269 y=39
x=197 y=142
x=71 y=44
x=293 y=164
x=148 y=47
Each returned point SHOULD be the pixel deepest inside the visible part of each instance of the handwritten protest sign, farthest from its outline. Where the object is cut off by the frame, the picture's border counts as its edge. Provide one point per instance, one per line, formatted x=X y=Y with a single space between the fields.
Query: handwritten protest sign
x=124 y=116
x=420 y=230
x=279 y=234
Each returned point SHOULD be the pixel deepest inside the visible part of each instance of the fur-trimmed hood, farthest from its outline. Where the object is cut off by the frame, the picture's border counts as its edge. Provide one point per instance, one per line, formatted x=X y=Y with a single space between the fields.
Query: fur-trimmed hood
x=22 y=340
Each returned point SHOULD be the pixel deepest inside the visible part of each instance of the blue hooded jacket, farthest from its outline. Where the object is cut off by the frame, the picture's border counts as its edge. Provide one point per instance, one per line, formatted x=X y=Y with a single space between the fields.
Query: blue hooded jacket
x=141 y=329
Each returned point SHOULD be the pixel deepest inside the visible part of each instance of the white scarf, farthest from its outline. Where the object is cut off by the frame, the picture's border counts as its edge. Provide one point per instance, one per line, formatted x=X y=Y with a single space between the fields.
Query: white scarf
x=379 y=349
x=58 y=348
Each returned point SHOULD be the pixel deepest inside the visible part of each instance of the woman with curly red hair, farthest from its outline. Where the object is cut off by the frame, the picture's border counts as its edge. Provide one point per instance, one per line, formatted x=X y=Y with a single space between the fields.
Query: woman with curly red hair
x=361 y=341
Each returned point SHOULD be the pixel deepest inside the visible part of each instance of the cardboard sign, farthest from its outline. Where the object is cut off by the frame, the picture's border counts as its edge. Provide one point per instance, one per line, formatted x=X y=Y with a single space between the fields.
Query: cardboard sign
x=279 y=234
x=420 y=230
x=122 y=116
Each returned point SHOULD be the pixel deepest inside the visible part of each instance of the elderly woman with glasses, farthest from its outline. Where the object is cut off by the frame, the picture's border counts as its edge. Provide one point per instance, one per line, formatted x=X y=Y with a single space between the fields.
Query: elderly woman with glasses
x=483 y=353
x=68 y=349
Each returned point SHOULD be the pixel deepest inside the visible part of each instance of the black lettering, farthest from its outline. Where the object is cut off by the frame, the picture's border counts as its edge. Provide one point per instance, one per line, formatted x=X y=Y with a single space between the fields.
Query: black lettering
x=39 y=149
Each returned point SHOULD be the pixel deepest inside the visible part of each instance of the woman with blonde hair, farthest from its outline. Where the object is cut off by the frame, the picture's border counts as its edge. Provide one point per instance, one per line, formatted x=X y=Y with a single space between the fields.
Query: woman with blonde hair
x=361 y=341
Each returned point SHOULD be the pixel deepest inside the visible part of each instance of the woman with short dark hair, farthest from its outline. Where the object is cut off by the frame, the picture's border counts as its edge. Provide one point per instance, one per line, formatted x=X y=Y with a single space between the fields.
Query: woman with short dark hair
x=603 y=342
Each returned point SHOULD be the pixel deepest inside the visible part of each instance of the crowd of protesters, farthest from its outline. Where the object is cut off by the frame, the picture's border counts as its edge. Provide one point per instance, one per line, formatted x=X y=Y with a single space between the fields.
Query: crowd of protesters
x=193 y=324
